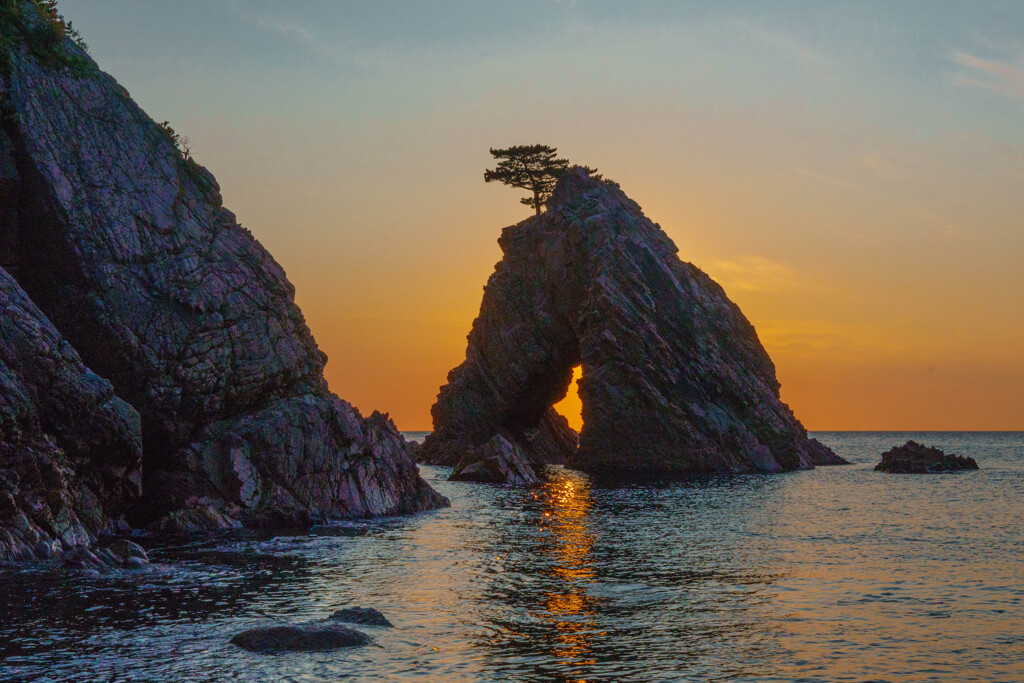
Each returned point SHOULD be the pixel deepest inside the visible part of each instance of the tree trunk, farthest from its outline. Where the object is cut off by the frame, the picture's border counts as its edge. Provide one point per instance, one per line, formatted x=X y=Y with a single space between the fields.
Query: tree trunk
x=536 y=201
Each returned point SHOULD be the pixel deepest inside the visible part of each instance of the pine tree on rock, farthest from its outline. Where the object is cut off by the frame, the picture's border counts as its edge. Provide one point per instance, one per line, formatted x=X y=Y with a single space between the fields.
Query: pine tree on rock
x=535 y=168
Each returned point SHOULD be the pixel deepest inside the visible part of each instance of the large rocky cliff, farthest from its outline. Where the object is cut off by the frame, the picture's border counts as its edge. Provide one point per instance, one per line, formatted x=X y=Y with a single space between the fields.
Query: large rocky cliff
x=70 y=451
x=674 y=377
x=123 y=244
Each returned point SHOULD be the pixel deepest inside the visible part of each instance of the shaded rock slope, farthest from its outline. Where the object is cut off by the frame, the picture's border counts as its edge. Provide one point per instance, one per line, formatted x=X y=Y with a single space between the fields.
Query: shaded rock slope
x=124 y=245
x=674 y=377
x=70 y=451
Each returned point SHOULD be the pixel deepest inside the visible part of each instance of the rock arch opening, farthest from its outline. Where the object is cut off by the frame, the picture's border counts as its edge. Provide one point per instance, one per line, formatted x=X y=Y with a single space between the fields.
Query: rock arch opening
x=571 y=406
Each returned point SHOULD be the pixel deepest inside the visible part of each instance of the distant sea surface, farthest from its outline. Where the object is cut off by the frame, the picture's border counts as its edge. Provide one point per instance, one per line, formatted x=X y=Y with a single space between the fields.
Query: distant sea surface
x=835 y=574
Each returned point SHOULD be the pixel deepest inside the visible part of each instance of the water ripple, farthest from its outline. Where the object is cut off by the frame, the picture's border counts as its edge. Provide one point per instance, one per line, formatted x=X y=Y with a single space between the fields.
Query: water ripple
x=839 y=574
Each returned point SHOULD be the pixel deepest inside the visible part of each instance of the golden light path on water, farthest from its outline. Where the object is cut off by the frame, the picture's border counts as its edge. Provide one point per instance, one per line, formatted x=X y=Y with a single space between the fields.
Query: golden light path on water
x=567 y=503
x=839 y=573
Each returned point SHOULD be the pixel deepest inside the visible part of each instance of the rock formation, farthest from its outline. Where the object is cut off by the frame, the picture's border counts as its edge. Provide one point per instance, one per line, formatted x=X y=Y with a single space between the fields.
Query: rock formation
x=314 y=636
x=122 y=242
x=496 y=462
x=674 y=377
x=70 y=451
x=307 y=637
x=915 y=458
x=122 y=554
x=367 y=616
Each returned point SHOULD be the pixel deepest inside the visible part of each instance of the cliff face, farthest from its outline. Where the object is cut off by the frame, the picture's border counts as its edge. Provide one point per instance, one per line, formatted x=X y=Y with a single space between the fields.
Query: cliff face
x=674 y=377
x=70 y=451
x=125 y=247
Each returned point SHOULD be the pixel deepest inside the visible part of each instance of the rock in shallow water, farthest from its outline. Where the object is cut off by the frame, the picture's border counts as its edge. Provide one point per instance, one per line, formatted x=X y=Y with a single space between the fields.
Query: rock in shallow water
x=309 y=637
x=121 y=554
x=361 y=615
x=674 y=380
x=496 y=462
x=915 y=458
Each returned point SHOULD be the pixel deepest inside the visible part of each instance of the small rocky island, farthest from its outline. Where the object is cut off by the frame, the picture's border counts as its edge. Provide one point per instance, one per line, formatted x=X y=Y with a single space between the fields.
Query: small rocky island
x=915 y=458
x=674 y=381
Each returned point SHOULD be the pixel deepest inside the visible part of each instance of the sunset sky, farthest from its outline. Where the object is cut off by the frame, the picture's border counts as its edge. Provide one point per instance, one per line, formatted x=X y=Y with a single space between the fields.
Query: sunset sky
x=851 y=173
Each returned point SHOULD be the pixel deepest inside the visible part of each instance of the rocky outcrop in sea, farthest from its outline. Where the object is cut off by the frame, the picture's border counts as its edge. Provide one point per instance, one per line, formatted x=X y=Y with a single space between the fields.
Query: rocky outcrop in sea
x=121 y=242
x=915 y=458
x=498 y=461
x=306 y=637
x=674 y=380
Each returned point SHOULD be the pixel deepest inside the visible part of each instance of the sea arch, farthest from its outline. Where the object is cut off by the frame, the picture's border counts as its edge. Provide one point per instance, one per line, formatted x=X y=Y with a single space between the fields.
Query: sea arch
x=674 y=376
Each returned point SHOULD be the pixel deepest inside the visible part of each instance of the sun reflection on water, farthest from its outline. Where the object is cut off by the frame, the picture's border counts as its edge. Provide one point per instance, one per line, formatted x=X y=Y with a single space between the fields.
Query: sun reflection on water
x=569 y=608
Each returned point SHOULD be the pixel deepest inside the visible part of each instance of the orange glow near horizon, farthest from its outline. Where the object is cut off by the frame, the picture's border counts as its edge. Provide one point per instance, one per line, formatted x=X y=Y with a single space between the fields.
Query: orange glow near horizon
x=858 y=197
x=882 y=370
x=862 y=337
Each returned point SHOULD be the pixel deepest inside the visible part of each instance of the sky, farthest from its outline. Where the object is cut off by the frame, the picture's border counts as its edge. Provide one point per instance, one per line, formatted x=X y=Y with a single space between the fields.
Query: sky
x=851 y=173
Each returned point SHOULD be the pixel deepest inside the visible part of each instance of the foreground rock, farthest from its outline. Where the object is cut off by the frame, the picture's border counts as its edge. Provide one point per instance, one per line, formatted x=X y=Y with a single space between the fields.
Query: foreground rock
x=309 y=637
x=121 y=554
x=122 y=242
x=915 y=458
x=70 y=451
x=361 y=615
x=675 y=379
x=496 y=462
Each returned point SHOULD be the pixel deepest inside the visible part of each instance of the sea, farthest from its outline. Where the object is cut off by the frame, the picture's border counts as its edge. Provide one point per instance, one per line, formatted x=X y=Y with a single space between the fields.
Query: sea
x=834 y=574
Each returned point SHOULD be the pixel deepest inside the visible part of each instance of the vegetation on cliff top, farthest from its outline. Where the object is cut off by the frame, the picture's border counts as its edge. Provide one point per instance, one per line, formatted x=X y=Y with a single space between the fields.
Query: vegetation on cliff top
x=41 y=26
x=535 y=168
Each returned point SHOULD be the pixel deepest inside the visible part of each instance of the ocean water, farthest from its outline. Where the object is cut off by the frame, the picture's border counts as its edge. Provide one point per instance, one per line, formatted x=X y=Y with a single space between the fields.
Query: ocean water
x=837 y=574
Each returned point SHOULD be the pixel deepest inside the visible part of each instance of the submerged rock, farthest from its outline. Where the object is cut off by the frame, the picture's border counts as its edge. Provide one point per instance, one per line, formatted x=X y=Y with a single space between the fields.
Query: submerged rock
x=915 y=458
x=126 y=551
x=674 y=380
x=496 y=462
x=361 y=615
x=122 y=242
x=70 y=451
x=309 y=637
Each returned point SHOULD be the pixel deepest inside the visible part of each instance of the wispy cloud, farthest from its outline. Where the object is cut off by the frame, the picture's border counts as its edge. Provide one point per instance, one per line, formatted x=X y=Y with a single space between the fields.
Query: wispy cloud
x=791 y=47
x=887 y=166
x=1004 y=77
x=809 y=334
x=284 y=27
x=754 y=274
x=827 y=179
x=847 y=340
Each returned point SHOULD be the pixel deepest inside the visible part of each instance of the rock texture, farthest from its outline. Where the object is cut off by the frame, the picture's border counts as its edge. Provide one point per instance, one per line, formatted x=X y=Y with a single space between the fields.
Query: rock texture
x=310 y=637
x=70 y=451
x=675 y=379
x=915 y=458
x=367 y=616
x=124 y=245
x=496 y=462
x=122 y=554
